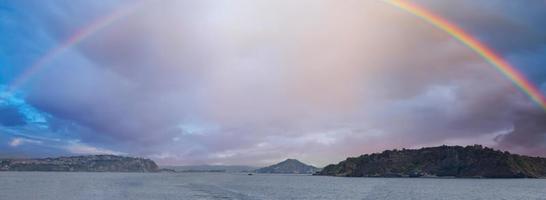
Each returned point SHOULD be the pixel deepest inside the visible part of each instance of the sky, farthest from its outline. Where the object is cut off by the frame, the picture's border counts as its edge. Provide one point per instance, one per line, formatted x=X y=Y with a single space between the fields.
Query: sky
x=254 y=82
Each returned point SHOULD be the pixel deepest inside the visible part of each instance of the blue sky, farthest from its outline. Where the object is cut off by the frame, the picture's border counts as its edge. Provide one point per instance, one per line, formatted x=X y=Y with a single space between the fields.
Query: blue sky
x=255 y=82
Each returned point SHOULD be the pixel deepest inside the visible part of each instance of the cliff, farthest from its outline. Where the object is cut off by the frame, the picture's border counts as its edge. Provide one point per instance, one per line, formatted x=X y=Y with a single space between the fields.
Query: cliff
x=442 y=161
x=289 y=166
x=92 y=163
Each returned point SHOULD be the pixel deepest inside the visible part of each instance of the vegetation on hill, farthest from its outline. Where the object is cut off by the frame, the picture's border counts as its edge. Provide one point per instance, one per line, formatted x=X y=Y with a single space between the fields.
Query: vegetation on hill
x=92 y=163
x=442 y=161
x=289 y=166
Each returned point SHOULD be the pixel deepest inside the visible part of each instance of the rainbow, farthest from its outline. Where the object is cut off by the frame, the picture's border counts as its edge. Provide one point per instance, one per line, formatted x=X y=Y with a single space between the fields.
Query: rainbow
x=488 y=54
x=92 y=28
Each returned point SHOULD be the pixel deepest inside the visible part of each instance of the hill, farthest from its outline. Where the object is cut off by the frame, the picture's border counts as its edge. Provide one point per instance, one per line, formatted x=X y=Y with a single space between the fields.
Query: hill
x=442 y=161
x=289 y=166
x=92 y=163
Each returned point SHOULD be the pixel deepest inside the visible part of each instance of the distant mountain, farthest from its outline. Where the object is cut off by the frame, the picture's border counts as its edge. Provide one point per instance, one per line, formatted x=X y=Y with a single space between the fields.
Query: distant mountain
x=289 y=166
x=92 y=163
x=212 y=168
x=452 y=161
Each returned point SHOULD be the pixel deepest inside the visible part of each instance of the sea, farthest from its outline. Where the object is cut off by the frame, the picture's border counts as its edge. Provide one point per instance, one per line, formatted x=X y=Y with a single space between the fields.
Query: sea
x=225 y=186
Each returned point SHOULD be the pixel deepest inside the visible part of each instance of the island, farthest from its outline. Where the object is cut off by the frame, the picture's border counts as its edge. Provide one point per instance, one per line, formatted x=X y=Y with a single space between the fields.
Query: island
x=473 y=161
x=289 y=166
x=90 y=163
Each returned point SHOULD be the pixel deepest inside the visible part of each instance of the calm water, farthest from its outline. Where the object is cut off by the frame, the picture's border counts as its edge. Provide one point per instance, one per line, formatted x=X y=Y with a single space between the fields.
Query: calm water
x=83 y=186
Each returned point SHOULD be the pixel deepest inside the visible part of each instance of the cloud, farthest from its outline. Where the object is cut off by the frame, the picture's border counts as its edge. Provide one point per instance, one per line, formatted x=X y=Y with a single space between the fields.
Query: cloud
x=39 y=130
x=20 y=141
x=11 y=117
x=507 y=27
x=78 y=148
x=528 y=134
x=15 y=111
x=257 y=81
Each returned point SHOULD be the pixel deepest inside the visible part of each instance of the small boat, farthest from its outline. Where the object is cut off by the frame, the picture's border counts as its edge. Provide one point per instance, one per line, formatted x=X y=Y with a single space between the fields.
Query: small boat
x=250 y=174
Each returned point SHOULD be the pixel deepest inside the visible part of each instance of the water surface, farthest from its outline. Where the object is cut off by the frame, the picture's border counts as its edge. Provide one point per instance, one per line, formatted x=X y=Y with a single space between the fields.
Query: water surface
x=138 y=186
